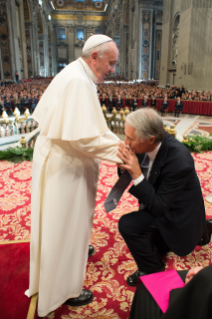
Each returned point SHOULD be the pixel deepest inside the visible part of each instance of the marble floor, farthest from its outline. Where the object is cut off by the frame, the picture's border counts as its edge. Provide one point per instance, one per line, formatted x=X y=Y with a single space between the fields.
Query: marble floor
x=188 y=124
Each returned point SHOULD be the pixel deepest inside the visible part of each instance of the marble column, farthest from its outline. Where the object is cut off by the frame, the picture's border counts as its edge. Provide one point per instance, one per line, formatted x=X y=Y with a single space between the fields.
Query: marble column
x=165 y=62
x=121 y=41
x=194 y=55
x=145 y=43
x=24 y=73
x=71 y=51
x=14 y=44
x=28 y=33
x=54 y=50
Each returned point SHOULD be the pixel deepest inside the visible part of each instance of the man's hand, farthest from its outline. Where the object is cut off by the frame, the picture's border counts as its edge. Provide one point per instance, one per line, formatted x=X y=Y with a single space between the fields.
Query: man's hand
x=130 y=161
x=191 y=273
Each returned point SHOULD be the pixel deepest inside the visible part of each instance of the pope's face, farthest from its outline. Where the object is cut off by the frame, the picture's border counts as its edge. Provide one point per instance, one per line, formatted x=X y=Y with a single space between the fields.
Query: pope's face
x=105 y=65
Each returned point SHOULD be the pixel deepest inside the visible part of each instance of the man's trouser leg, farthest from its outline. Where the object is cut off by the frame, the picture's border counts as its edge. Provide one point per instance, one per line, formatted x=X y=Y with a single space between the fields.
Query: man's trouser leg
x=143 y=240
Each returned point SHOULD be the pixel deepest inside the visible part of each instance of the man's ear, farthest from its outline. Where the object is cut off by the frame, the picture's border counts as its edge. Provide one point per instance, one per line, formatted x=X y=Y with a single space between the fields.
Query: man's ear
x=152 y=140
x=94 y=56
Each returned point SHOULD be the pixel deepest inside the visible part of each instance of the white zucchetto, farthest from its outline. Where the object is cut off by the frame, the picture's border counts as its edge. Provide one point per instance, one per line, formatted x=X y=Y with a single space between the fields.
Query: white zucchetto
x=94 y=41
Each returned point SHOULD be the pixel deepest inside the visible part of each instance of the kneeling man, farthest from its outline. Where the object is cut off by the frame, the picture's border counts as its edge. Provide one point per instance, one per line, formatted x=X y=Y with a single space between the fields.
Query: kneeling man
x=171 y=215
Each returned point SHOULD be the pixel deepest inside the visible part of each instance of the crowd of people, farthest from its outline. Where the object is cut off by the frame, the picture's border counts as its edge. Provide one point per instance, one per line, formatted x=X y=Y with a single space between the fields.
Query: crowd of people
x=22 y=95
x=149 y=90
x=27 y=94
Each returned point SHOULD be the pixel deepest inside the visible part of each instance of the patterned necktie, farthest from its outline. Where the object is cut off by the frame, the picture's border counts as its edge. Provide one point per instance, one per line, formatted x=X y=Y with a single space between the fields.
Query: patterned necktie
x=145 y=165
x=116 y=192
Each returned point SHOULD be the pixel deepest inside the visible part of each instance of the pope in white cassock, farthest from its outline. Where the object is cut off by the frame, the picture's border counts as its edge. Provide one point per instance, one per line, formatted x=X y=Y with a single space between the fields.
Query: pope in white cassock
x=73 y=137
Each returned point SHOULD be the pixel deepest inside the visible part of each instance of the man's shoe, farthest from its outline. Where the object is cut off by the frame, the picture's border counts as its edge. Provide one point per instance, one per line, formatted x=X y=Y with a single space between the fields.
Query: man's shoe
x=91 y=250
x=133 y=279
x=206 y=238
x=84 y=299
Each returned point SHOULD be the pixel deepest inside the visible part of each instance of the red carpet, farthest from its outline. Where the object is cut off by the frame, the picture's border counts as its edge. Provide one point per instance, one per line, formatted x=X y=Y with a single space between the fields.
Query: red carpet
x=14 y=280
x=108 y=269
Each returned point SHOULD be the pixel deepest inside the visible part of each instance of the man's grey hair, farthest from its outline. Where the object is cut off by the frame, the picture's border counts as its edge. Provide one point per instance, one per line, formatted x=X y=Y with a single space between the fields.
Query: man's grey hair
x=101 y=49
x=146 y=123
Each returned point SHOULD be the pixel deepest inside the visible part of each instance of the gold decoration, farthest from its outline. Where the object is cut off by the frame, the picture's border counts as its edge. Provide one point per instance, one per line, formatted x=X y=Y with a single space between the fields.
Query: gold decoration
x=122 y=115
x=172 y=130
x=16 y=111
x=165 y=128
x=5 y=116
x=27 y=112
x=126 y=111
x=104 y=110
x=185 y=140
x=114 y=112
x=95 y=18
x=23 y=142
x=64 y=17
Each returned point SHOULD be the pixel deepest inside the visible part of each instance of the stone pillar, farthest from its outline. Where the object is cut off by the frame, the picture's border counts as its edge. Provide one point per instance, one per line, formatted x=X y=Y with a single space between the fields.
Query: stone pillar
x=14 y=44
x=46 y=46
x=194 y=60
x=121 y=41
x=165 y=63
x=41 y=55
x=50 y=60
x=54 y=50
x=28 y=33
x=71 y=51
x=145 y=43
x=22 y=49
x=5 y=43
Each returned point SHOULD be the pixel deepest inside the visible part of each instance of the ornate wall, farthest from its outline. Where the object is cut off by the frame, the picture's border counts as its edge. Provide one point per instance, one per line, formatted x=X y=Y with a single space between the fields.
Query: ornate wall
x=21 y=22
x=186 y=44
x=6 y=69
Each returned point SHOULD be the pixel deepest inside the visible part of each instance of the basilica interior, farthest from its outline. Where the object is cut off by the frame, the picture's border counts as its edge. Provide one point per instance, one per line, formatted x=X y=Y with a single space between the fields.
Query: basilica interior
x=165 y=53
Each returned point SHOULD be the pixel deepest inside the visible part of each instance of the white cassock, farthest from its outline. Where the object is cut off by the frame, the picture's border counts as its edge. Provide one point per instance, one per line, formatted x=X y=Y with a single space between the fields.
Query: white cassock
x=73 y=137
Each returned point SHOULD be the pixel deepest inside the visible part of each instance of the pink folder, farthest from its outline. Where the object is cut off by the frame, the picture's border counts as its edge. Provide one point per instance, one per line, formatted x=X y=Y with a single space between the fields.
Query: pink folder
x=160 y=284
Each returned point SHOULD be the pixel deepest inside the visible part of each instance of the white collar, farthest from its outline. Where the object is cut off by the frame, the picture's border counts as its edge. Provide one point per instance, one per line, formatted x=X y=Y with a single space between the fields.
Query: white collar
x=88 y=70
x=153 y=154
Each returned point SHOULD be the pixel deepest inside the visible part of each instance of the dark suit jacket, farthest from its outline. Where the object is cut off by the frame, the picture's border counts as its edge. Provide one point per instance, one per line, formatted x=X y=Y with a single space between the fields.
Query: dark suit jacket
x=181 y=91
x=134 y=104
x=165 y=104
x=119 y=104
x=110 y=102
x=173 y=196
x=144 y=103
x=179 y=106
x=153 y=103
x=103 y=101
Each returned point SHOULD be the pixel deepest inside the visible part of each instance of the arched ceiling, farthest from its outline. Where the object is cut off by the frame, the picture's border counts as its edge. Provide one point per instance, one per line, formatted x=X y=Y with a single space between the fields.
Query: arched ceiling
x=85 y=5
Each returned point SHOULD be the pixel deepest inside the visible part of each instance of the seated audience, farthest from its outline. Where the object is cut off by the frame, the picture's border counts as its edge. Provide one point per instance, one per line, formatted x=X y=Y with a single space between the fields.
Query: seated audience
x=164 y=105
x=24 y=103
x=134 y=105
x=33 y=103
x=153 y=103
x=111 y=103
x=16 y=101
x=178 y=107
x=103 y=100
x=7 y=105
x=119 y=103
x=145 y=101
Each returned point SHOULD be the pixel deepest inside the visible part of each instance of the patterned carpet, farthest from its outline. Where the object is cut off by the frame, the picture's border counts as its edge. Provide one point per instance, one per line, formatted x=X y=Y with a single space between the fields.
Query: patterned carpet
x=112 y=263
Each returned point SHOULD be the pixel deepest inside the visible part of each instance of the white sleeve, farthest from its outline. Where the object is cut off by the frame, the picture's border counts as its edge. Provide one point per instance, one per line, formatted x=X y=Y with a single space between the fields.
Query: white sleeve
x=104 y=147
x=138 y=180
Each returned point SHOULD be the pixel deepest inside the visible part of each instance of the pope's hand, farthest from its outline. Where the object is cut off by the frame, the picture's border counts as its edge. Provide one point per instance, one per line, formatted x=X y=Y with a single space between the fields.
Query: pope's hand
x=191 y=273
x=130 y=161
